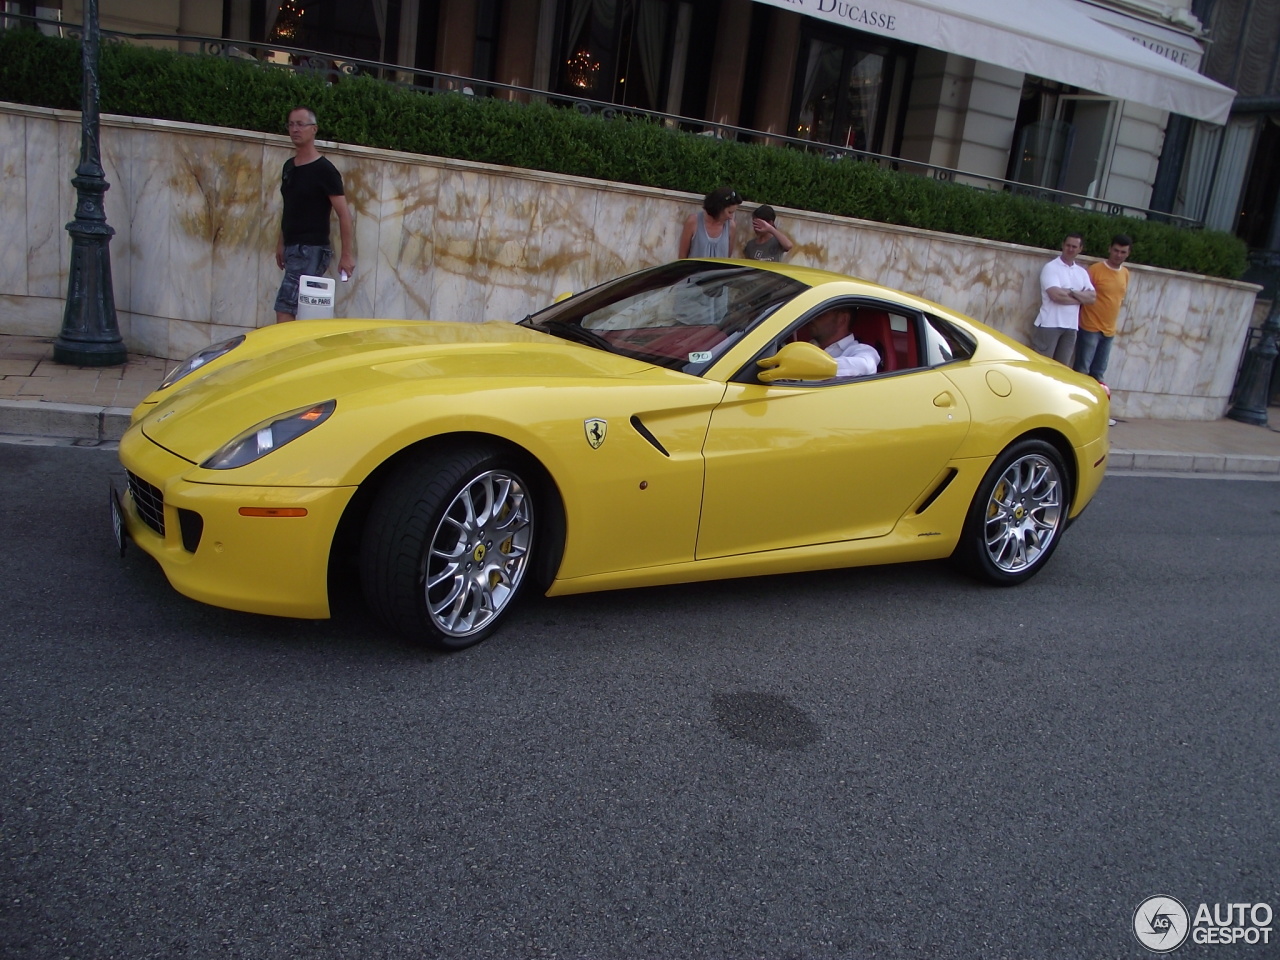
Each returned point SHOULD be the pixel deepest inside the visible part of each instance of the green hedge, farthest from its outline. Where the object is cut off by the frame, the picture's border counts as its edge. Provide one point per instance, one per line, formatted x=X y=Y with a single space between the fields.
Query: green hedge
x=141 y=81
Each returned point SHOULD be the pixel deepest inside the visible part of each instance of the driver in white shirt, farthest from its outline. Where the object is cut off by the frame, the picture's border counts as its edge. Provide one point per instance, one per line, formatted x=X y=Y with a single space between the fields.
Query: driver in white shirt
x=830 y=330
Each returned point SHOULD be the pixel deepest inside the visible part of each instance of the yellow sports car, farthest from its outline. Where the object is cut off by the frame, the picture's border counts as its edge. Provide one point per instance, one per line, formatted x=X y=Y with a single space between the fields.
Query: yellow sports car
x=697 y=420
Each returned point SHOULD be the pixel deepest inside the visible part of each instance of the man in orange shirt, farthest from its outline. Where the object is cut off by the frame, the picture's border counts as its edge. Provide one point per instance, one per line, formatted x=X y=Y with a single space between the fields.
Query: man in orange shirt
x=1098 y=319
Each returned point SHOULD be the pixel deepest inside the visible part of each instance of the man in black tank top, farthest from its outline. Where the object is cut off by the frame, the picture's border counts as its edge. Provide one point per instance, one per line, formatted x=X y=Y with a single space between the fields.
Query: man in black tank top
x=311 y=187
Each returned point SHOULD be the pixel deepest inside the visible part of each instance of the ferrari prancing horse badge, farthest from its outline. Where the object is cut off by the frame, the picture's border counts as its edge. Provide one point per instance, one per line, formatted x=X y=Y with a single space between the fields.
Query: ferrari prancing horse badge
x=596 y=429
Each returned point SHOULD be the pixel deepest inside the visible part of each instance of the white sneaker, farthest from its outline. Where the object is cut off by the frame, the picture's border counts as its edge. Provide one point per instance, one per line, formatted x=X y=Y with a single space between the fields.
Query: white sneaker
x=1111 y=422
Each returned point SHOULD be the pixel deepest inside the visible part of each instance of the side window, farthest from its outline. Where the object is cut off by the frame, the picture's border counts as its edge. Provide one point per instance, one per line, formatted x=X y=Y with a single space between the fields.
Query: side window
x=945 y=343
x=890 y=329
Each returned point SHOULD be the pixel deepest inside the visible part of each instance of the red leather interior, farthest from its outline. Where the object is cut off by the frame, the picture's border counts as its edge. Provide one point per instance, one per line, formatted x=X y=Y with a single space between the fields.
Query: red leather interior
x=905 y=343
x=897 y=348
x=872 y=327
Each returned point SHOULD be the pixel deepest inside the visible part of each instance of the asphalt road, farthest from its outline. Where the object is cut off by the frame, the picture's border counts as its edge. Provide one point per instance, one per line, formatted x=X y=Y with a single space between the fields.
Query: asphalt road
x=894 y=762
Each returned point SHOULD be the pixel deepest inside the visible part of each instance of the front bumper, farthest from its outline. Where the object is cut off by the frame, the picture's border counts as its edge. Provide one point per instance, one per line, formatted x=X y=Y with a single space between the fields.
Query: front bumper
x=212 y=553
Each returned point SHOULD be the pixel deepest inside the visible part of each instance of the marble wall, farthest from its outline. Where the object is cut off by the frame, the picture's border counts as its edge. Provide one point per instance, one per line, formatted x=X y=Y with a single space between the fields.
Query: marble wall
x=196 y=210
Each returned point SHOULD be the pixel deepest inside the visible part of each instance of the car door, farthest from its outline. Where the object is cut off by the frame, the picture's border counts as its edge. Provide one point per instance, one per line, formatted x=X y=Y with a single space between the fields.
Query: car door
x=794 y=464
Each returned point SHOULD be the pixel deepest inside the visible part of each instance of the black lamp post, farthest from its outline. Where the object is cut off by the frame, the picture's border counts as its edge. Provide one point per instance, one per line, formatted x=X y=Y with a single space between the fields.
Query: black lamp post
x=90 y=336
x=1255 y=378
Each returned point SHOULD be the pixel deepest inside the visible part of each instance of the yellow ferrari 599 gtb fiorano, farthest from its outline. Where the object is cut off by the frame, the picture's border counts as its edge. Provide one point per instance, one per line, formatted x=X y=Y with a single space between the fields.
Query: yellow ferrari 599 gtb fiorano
x=682 y=423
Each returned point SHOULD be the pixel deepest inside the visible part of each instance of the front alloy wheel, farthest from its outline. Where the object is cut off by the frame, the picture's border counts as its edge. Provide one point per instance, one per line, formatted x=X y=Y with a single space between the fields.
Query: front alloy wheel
x=448 y=544
x=478 y=554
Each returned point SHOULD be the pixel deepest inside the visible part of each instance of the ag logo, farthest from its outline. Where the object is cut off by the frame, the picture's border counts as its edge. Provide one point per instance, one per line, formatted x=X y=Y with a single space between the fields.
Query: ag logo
x=1161 y=924
x=596 y=429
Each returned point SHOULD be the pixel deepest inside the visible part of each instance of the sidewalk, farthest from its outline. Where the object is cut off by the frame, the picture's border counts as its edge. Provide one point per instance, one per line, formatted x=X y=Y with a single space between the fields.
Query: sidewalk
x=42 y=401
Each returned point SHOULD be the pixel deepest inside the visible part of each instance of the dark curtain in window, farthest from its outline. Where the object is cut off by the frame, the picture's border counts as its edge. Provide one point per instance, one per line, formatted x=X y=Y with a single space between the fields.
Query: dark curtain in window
x=618 y=51
x=841 y=86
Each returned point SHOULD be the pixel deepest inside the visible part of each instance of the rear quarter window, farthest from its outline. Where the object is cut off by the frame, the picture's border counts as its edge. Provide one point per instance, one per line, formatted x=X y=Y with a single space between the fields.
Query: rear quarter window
x=945 y=343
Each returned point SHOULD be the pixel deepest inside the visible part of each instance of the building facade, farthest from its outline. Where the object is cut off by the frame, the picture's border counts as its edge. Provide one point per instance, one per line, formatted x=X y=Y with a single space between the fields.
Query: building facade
x=1229 y=175
x=1069 y=97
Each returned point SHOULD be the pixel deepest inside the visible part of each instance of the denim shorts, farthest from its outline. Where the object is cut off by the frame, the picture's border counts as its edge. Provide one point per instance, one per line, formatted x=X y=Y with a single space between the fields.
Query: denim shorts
x=300 y=259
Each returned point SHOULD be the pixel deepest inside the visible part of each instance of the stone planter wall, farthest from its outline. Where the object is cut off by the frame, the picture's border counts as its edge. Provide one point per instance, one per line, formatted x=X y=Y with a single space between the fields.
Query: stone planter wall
x=196 y=211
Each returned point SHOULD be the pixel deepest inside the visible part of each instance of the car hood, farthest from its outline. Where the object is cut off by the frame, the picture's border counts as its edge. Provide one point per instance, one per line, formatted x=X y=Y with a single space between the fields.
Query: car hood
x=265 y=377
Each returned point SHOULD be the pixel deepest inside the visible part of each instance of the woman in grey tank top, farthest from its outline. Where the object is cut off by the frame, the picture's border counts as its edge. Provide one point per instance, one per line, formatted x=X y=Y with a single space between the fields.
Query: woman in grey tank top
x=709 y=233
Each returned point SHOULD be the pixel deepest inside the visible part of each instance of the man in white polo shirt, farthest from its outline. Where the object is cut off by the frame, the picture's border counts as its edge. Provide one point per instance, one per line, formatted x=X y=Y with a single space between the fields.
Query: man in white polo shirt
x=1064 y=285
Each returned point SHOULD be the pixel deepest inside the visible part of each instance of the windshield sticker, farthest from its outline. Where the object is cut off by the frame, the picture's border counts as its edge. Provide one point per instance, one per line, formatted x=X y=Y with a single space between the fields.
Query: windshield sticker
x=700 y=356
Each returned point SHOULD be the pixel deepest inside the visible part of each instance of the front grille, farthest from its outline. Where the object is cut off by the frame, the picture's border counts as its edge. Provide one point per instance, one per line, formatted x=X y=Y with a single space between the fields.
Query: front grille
x=149 y=501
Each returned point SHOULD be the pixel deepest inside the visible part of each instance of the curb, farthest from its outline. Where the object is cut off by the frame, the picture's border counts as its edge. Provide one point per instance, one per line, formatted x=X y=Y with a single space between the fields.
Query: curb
x=71 y=421
x=1162 y=461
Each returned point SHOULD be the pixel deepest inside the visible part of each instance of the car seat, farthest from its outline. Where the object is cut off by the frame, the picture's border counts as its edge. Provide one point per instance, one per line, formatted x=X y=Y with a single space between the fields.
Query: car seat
x=905 y=341
x=872 y=327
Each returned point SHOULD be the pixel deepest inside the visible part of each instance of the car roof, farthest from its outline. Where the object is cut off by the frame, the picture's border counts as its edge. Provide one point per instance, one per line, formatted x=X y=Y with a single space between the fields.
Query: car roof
x=809 y=276
x=814 y=277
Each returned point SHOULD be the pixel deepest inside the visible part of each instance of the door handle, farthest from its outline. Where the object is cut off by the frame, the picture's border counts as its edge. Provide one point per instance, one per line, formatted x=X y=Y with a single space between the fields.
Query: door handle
x=944 y=399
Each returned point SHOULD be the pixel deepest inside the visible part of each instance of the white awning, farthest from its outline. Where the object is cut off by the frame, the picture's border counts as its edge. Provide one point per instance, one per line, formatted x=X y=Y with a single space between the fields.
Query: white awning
x=1045 y=38
x=1176 y=45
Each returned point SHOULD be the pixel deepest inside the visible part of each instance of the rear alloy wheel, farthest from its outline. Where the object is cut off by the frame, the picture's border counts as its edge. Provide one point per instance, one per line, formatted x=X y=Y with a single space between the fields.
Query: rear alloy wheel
x=448 y=545
x=1017 y=516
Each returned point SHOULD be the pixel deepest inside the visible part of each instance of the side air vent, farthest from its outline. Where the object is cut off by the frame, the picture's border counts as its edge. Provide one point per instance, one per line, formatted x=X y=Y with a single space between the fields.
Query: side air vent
x=937 y=491
x=644 y=432
x=191 y=524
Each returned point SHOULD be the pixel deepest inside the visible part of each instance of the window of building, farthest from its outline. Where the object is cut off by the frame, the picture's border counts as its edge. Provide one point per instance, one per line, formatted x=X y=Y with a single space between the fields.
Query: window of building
x=1092 y=120
x=1040 y=140
x=842 y=88
x=618 y=51
x=1259 y=223
x=345 y=29
x=424 y=49
x=1214 y=171
x=1062 y=139
x=486 y=55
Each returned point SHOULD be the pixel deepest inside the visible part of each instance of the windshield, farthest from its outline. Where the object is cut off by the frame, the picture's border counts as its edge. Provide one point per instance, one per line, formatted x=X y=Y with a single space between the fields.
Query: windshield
x=682 y=315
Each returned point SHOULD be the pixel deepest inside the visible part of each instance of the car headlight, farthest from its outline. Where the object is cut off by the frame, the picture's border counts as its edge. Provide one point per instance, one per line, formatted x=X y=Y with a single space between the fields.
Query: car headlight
x=270 y=435
x=198 y=360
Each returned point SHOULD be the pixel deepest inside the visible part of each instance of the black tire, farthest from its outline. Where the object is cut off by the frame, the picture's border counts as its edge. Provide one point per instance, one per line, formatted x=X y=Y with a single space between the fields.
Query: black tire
x=1017 y=515
x=448 y=544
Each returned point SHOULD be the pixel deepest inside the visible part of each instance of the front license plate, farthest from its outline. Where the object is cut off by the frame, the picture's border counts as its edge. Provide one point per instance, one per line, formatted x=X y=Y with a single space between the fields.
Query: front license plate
x=117 y=520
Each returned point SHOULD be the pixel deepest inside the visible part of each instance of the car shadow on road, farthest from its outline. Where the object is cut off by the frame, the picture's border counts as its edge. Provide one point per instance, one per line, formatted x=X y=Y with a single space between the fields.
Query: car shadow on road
x=759 y=607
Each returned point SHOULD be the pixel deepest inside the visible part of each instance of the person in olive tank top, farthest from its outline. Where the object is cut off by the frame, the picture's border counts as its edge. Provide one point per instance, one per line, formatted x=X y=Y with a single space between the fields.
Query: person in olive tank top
x=709 y=232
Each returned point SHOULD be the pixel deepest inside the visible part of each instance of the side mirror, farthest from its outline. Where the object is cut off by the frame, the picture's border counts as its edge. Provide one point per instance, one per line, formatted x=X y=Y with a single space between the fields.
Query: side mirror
x=797 y=361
